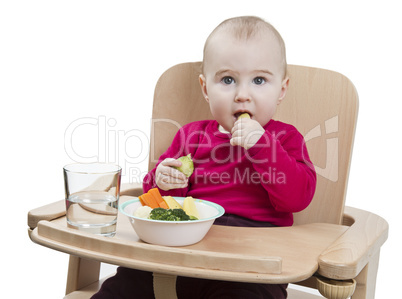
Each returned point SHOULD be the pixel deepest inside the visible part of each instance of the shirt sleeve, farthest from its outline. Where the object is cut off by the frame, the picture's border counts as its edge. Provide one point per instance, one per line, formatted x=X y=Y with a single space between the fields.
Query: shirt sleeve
x=285 y=170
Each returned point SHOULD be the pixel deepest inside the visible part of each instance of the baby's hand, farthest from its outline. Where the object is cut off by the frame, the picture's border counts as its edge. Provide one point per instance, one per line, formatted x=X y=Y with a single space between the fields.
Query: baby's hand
x=167 y=177
x=246 y=132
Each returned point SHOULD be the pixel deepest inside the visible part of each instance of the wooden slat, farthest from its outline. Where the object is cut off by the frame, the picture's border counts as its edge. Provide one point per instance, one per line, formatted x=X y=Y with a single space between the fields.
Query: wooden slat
x=81 y=273
x=87 y=291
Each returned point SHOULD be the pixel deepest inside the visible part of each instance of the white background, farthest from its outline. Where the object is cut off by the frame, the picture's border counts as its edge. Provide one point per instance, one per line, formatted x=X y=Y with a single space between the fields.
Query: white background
x=64 y=63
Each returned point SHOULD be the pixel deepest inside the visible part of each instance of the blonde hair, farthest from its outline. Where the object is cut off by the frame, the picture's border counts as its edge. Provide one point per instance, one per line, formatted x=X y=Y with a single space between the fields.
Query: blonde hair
x=246 y=27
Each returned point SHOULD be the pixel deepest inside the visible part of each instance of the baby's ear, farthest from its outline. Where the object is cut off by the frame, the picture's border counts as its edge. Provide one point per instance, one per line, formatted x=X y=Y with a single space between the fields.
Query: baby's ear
x=284 y=89
x=203 y=84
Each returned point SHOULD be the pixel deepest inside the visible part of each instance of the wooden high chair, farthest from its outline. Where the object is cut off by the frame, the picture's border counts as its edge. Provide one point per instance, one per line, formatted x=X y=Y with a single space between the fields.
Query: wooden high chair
x=332 y=247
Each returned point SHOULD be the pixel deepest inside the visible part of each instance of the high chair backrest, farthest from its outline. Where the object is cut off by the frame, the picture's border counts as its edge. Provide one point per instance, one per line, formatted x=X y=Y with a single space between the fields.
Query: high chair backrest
x=321 y=104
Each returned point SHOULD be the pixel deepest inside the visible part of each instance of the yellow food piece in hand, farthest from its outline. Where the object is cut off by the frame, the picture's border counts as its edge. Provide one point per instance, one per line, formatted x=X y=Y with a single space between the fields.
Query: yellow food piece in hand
x=244 y=115
x=172 y=203
x=190 y=208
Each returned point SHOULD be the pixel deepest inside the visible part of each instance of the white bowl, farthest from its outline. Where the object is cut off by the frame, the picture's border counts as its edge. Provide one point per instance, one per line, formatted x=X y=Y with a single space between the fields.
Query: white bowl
x=173 y=233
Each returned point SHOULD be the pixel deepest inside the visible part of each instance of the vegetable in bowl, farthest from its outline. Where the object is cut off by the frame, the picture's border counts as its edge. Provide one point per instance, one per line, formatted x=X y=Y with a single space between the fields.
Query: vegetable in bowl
x=166 y=208
x=172 y=233
x=170 y=215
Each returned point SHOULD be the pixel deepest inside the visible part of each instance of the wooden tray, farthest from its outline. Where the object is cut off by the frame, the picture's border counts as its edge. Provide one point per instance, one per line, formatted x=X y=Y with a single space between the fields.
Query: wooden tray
x=270 y=255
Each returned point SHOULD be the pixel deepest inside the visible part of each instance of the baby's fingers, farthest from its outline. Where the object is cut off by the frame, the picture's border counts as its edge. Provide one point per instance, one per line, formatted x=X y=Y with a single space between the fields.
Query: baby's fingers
x=167 y=167
x=236 y=134
x=167 y=182
x=171 y=179
x=236 y=141
x=240 y=124
x=171 y=162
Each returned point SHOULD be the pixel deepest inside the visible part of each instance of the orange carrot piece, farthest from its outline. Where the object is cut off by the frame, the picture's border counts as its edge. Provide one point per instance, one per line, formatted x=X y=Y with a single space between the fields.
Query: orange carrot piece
x=152 y=202
x=158 y=197
x=149 y=201
x=154 y=191
x=163 y=205
x=154 y=198
x=144 y=199
x=141 y=200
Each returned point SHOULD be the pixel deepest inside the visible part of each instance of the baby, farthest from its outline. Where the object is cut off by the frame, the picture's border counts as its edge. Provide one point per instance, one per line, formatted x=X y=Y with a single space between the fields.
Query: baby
x=257 y=168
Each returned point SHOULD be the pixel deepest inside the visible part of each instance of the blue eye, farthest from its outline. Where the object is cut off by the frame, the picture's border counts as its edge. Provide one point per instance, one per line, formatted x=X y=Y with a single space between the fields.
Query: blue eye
x=227 y=80
x=259 y=80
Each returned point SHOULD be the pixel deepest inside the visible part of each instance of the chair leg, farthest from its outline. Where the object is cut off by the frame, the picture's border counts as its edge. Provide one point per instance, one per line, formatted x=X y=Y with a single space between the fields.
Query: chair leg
x=164 y=286
x=366 y=280
x=81 y=273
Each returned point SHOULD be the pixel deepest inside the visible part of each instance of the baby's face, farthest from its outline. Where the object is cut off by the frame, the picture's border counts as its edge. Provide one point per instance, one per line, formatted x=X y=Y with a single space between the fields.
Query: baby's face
x=243 y=76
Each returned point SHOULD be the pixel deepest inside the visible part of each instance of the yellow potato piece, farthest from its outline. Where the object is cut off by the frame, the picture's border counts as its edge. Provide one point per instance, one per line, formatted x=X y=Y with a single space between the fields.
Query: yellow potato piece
x=171 y=202
x=190 y=208
x=244 y=115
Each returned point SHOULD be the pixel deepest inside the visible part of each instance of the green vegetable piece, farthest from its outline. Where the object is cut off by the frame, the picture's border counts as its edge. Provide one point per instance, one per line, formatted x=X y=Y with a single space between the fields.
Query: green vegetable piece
x=169 y=215
x=187 y=165
x=158 y=214
x=180 y=214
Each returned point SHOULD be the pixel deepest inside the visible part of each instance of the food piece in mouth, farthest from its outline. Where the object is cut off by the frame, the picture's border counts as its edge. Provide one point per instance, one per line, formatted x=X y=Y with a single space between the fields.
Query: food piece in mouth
x=244 y=115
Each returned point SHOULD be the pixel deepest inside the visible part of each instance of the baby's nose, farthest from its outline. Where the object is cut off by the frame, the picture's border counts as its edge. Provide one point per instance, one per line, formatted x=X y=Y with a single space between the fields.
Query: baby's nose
x=242 y=94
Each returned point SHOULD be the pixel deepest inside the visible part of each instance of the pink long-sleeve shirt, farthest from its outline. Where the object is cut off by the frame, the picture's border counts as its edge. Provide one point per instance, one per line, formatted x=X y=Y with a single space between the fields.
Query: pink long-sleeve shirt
x=267 y=182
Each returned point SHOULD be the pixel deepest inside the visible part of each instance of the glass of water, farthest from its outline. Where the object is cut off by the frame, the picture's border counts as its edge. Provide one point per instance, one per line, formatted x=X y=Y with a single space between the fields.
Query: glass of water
x=92 y=197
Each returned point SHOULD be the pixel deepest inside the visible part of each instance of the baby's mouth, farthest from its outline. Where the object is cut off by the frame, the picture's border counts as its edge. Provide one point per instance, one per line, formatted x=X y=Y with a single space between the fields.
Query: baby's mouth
x=237 y=114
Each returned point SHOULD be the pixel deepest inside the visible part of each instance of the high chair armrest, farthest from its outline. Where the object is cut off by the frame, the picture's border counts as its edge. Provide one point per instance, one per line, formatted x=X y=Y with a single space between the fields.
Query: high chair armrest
x=353 y=250
x=58 y=209
x=48 y=212
x=131 y=189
